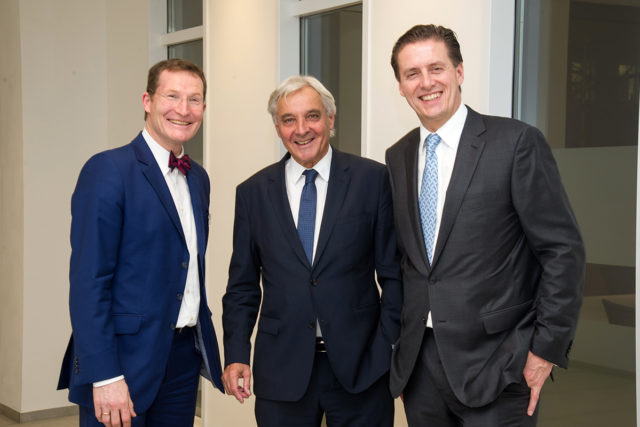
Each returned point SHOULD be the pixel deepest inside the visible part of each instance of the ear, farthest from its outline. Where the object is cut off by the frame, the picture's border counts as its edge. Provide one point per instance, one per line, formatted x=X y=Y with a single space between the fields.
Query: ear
x=332 y=120
x=400 y=89
x=460 y=73
x=146 y=102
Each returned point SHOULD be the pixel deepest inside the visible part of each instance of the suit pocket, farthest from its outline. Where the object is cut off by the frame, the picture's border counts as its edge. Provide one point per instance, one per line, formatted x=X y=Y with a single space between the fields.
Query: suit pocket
x=505 y=318
x=125 y=324
x=268 y=325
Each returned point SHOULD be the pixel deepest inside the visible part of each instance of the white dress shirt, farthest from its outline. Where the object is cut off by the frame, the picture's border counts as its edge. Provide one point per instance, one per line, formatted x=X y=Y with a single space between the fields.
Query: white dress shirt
x=294 y=180
x=446 y=152
x=179 y=189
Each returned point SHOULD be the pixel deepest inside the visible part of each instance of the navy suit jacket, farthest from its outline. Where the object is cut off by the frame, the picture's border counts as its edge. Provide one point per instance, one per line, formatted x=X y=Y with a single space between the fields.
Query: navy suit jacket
x=356 y=243
x=508 y=268
x=128 y=270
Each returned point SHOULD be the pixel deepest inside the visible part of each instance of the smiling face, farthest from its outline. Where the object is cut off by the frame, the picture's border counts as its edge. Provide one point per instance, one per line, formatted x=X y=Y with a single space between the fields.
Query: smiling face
x=304 y=126
x=430 y=82
x=174 y=111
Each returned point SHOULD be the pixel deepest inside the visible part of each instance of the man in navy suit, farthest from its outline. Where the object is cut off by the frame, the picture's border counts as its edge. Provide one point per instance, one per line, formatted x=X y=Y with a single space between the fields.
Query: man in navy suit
x=142 y=330
x=317 y=229
x=492 y=258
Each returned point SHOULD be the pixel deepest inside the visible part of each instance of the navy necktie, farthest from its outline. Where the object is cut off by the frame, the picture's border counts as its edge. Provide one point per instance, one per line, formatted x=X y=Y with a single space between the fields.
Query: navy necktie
x=307 y=213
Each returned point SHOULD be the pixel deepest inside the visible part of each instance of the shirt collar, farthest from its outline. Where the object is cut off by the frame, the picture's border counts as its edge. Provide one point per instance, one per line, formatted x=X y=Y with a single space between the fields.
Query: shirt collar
x=449 y=132
x=160 y=153
x=323 y=167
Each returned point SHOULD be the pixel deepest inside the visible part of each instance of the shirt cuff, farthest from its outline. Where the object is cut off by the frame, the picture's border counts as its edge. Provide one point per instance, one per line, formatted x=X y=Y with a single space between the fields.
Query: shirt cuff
x=109 y=381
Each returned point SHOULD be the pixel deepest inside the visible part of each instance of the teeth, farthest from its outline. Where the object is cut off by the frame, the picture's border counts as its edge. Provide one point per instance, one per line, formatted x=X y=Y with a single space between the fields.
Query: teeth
x=178 y=122
x=430 y=97
x=304 y=142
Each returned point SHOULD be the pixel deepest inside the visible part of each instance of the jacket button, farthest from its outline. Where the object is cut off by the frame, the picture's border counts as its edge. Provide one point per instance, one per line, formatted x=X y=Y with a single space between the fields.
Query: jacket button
x=172 y=326
x=185 y=265
x=179 y=297
x=314 y=282
x=311 y=325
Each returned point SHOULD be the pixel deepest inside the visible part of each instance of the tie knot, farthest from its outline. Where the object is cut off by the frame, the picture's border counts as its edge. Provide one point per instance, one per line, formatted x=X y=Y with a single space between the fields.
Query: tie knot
x=432 y=141
x=183 y=163
x=310 y=175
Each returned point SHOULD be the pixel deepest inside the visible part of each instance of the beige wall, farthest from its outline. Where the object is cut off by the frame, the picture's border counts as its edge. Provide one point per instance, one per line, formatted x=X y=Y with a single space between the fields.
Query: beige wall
x=241 y=63
x=387 y=115
x=74 y=72
x=11 y=206
x=82 y=72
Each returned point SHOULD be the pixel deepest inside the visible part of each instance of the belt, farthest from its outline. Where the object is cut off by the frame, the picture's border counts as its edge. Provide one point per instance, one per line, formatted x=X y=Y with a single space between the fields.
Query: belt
x=178 y=331
x=320 y=348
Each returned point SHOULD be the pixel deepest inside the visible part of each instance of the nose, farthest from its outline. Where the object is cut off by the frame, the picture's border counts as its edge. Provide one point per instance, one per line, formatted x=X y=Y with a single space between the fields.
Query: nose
x=182 y=107
x=426 y=80
x=301 y=127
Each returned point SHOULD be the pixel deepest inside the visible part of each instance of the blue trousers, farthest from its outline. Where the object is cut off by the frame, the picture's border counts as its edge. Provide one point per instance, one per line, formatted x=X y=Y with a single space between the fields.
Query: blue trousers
x=175 y=403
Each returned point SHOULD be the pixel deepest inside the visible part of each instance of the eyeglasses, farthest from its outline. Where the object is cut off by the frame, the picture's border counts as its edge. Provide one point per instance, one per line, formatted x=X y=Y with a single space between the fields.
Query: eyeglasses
x=193 y=101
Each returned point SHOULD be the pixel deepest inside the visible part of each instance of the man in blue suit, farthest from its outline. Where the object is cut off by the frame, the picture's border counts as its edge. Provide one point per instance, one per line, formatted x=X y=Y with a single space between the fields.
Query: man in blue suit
x=142 y=330
x=317 y=229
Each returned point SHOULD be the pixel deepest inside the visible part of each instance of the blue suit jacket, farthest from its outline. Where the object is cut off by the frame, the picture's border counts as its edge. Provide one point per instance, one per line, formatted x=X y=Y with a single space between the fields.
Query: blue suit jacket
x=356 y=242
x=128 y=271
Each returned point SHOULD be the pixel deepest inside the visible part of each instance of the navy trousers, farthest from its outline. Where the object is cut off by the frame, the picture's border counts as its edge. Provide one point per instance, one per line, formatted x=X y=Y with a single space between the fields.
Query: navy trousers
x=371 y=408
x=175 y=403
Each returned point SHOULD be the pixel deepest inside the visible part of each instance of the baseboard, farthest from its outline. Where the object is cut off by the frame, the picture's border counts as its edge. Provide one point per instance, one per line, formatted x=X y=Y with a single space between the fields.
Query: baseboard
x=24 y=417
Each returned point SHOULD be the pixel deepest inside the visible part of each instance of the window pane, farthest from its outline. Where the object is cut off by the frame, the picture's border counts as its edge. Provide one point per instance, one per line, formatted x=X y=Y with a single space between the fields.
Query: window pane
x=193 y=52
x=577 y=79
x=183 y=14
x=331 y=51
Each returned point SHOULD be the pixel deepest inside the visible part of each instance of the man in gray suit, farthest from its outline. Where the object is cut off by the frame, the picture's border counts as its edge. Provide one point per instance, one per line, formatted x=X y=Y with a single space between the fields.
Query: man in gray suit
x=493 y=262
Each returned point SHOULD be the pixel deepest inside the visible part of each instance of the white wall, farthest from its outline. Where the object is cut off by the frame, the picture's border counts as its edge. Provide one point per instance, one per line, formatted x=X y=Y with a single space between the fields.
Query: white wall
x=11 y=206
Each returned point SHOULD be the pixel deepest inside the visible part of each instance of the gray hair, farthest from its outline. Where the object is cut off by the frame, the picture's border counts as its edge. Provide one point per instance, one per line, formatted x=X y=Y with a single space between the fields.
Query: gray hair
x=295 y=83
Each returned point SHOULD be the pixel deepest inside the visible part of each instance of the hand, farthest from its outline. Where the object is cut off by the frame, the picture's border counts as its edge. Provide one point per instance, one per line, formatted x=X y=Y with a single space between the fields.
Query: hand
x=113 y=405
x=231 y=377
x=536 y=372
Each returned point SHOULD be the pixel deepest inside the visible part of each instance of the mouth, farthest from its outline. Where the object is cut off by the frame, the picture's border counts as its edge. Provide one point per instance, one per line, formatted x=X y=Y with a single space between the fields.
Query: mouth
x=179 y=122
x=431 y=96
x=305 y=142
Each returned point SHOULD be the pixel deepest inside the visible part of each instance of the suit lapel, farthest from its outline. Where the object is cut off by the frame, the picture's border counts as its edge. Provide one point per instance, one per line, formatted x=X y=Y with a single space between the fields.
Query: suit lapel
x=337 y=189
x=196 y=204
x=469 y=151
x=411 y=166
x=277 y=189
x=152 y=172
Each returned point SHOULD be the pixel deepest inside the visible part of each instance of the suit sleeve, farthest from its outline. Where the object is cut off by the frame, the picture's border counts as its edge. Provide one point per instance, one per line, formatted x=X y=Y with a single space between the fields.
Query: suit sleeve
x=241 y=301
x=552 y=233
x=96 y=224
x=387 y=264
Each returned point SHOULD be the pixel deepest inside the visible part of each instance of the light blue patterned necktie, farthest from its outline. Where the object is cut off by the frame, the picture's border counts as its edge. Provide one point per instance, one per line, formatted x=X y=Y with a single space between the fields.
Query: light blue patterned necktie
x=307 y=212
x=428 y=199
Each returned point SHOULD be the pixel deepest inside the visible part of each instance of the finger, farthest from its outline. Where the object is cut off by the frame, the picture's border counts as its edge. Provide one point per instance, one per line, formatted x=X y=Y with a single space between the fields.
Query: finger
x=247 y=383
x=131 y=411
x=105 y=418
x=115 y=418
x=533 y=401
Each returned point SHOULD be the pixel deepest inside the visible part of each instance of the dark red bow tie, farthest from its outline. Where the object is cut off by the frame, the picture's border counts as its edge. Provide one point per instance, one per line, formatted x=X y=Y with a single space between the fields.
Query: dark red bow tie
x=183 y=163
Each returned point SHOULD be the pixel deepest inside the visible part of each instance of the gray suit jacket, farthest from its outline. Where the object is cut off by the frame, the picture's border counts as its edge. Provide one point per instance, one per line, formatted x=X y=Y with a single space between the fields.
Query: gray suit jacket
x=508 y=267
